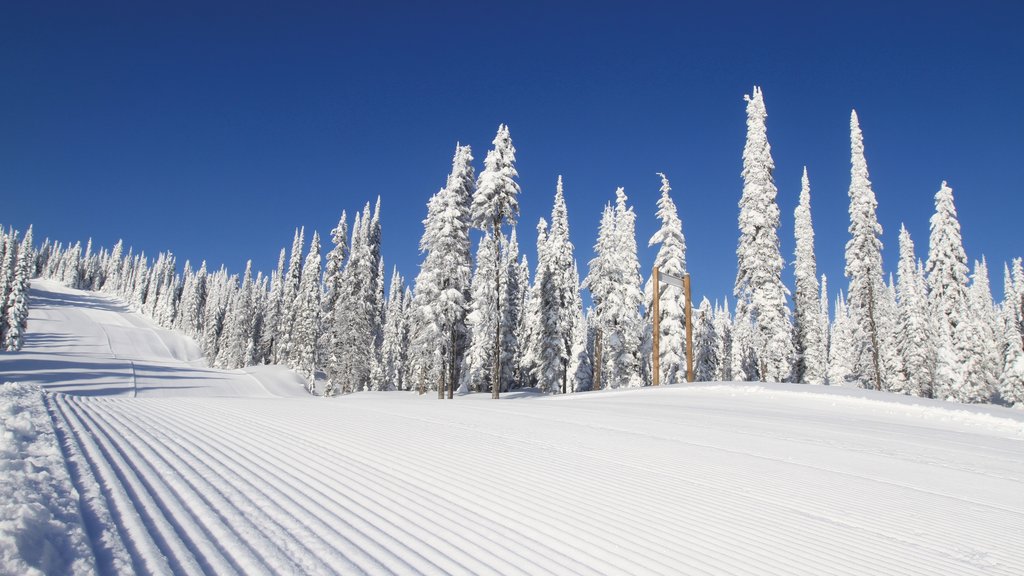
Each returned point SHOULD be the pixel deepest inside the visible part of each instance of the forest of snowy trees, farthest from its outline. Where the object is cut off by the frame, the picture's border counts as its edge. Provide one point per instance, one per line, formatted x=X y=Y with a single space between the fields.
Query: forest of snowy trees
x=490 y=322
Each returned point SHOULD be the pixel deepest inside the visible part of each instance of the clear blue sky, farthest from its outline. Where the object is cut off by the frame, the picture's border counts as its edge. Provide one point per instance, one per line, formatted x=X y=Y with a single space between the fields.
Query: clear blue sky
x=213 y=131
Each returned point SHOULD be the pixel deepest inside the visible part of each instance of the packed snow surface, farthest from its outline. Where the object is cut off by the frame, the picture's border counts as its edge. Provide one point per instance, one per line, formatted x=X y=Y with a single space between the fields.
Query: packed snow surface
x=185 y=469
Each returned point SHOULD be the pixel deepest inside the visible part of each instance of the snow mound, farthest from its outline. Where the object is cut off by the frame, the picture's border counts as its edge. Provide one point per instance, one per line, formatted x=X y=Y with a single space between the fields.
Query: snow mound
x=41 y=529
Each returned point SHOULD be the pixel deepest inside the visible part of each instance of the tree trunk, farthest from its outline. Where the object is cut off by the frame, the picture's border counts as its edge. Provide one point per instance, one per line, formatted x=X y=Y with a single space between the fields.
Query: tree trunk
x=596 y=380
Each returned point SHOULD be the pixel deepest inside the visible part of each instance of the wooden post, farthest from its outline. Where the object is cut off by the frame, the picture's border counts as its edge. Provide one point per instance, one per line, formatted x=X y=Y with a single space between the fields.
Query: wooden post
x=655 y=355
x=689 y=330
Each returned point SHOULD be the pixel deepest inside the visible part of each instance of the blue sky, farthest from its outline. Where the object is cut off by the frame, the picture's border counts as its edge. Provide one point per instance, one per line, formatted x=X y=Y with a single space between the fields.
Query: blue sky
x=213 y=131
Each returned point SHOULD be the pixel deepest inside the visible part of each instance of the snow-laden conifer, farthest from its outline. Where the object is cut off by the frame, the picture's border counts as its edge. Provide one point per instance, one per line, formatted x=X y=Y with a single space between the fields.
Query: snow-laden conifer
x=442 y=286
x=671 y=259
x=286 y=320
x=482 y=319
x=705 y=344
x=913 y=331
x=947 y=293
x=981 y=351
x=808 y=331
x=761 y=295
x=842 y=352
x=494 y=203
x=864 y=268
x=307 y=318
x=394 y=348
x=556 y=300
x=273 y=311
x=16 y=314
x=723 y=328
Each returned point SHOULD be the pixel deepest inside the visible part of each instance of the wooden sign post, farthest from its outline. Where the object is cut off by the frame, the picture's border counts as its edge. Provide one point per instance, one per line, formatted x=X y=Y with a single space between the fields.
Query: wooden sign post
x=683 y=284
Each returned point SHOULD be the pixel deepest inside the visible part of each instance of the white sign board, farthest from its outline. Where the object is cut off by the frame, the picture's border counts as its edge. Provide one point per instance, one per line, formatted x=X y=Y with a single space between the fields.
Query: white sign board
x=672 y=280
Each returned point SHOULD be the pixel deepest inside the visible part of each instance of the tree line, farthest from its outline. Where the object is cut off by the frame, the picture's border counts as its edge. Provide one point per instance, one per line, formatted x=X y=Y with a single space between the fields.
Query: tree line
x=484 y=322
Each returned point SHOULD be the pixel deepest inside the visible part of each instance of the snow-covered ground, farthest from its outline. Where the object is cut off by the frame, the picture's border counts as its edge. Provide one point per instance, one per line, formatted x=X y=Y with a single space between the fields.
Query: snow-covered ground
x=184 y=469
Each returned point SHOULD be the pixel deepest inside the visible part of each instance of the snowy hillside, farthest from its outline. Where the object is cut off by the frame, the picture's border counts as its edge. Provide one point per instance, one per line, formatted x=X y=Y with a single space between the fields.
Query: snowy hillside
x=185 y=469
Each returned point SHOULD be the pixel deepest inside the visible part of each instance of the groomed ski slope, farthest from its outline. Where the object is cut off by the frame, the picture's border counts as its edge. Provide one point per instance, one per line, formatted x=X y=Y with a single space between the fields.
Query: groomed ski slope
x=187 y=470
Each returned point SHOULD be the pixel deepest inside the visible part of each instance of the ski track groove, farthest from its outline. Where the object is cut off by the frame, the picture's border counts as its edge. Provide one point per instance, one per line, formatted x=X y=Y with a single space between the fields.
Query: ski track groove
x=188 y=486
x=363 y=479
x=105 y=535
x=146 y=553
x=752 y=493
x=616 y=459
x=175 y=524
x=257 y=502
x=628 y=505
x=260 y=471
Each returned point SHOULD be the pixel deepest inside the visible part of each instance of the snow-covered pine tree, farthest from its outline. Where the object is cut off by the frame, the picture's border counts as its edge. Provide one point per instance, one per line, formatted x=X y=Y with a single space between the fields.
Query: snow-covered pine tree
x=581 y=370
x=557 y=299
x=286 y=319
x=442 y=286
x=333 y=278
x=809 y=337
x=1011 y=379
x=307 y=319
x=220 y=288
x=912 y=335
x=723 y=328
x=16 y=314
x=273 y=312
x=8 y=269
x=514 y=282
x=599 y=282
x=705 y=344
x=761 y=295
x=482 y=320
x=393 y=350
x=842 y=353
x=947 y=293
x=494 y=203
x=357 y=316
x=671 y=259
x=614 y=282
x=864 y=268
x=982 y=351
x=237 y=351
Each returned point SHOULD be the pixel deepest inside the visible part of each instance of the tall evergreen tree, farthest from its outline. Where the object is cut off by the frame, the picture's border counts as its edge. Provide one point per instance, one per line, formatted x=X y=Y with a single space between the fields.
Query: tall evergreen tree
x=559 y=305
x=807 y=327
x=307 y=318
x=614 y=282
x=842 y=351
x=482 y=319
x=706 y=344
x=947 y=293
x=286 y=319
x=442 y=286
x=982 y=351
x=912 y=335
x=761 y=295
x=723 y=328
x=864 y=267
x=394 y=348
x=600 y=282
x=16 y=314
x=494 y=203
x=671 y=259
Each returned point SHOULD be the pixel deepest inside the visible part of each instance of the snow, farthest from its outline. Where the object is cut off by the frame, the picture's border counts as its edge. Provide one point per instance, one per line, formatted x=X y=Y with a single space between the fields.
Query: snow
x=41 y=530
x=185 y=469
